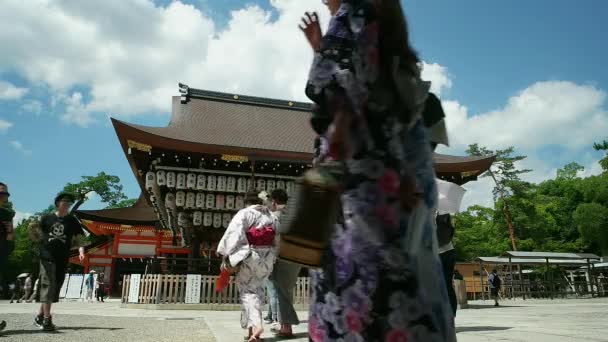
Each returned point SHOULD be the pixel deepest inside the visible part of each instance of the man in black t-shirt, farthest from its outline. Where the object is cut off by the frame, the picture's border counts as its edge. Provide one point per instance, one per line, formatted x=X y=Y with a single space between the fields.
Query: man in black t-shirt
x=55 y=232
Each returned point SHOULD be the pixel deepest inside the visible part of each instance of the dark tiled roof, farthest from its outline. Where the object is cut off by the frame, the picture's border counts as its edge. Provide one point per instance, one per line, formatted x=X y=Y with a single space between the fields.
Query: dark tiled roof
x=139 y=214
x=247 y=123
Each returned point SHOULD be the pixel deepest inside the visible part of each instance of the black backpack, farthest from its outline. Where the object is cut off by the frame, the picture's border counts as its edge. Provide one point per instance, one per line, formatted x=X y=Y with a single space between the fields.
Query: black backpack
x=496 y=281
x=445 y=229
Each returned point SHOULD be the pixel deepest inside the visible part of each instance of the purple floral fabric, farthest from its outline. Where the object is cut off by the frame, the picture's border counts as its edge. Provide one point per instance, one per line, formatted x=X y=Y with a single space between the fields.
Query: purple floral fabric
x=382 y=279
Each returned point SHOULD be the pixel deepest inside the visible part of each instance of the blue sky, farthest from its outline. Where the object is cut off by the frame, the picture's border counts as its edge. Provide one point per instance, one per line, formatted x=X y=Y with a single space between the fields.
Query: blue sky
x=523 y=73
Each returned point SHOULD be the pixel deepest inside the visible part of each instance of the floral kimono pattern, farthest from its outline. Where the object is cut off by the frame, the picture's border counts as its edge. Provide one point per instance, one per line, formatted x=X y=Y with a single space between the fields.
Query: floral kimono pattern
x=245 y=245
x=382 y=279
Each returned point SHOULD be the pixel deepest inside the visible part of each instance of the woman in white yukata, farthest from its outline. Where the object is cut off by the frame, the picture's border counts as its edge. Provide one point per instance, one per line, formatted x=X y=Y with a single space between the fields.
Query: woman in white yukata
x=250 y=244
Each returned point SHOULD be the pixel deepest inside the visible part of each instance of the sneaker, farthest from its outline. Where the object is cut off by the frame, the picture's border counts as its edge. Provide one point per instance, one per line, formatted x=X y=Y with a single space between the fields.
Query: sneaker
x=2 y=325
x=47 y=324
x=38 y=320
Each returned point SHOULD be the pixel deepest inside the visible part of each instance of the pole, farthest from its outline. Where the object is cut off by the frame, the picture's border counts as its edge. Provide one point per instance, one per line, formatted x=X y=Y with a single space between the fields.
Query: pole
x=483 y=291
x=551 y=280
x=511 y=275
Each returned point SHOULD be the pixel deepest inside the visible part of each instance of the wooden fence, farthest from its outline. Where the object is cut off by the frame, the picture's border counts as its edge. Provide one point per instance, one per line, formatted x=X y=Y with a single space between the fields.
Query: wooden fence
x=171 y=289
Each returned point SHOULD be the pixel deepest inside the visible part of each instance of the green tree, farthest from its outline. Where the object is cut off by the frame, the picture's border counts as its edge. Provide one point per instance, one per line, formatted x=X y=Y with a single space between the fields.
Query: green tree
x=603 y=146
x=569 y=171
x=505 y=174
x=107 y=187
x=592 y=222
x=123 y=204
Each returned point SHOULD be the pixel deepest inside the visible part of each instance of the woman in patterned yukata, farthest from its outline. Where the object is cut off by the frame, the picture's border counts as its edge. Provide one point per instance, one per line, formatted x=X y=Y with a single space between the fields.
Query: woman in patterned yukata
x=250 y=244
x=382 y=279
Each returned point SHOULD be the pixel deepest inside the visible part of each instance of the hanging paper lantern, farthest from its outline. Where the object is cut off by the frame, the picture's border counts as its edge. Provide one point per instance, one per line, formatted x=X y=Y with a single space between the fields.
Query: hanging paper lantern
x=160 y=178
x=239 y=202
x=191 y=181
x=219 y=202
x=217 y=220
x=261 y=185
x=210 y=199
x=201 y=182
x=231 y=184
x=226 y=218
x=270 y=186
x=230 y=202
x=211 y=183
x=221 y=183
x=241 y=185
x=150 y=180
x=200 y=200
x=197 y=218
x=208 y=219
x=190 y=200
x=180 y=198
x=171 y=180
x=170 y=201
x=181 y=181
x=281 y=184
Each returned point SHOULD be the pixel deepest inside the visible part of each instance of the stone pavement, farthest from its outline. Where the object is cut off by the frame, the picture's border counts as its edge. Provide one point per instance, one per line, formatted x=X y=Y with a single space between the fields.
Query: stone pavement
x=538 y=321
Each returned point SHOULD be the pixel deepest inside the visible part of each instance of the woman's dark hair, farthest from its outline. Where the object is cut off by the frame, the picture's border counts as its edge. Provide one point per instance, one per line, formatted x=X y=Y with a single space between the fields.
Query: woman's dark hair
x=279 y=196
x=394 y=36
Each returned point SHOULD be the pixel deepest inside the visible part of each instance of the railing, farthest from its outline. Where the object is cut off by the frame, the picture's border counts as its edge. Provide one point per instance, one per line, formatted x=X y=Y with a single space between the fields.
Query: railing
x=527 y=288
x=171 y=289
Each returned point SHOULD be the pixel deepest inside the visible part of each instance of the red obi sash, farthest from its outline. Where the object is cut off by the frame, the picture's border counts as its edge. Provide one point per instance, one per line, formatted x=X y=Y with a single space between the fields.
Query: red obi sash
x=261 y=237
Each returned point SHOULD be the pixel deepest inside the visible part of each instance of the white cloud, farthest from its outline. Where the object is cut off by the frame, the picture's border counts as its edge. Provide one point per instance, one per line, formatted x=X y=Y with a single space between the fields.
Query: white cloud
x=76 y=112
x=18 y=146
x=8 y=91
x=132 y=54
x=5 y=125
x=439 y=77
x=32 y=106
x=546 y=113
x=20 y=216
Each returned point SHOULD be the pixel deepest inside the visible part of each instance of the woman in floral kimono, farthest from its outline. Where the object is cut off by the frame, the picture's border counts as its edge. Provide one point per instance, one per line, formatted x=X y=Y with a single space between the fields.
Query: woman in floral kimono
x=249 y=245
x=382 y=279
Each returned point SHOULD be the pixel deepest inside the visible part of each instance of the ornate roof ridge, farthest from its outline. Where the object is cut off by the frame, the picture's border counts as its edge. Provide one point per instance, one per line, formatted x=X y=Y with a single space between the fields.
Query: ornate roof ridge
x=188 y=93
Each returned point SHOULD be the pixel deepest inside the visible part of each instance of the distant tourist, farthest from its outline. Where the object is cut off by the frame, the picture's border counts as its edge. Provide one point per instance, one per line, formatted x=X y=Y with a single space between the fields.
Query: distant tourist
x=249 y=249
x=100 y=287
x=27 y=288
x=54 y=232
x=284 y=277
x=495 y=284
x=89 y=284
x=16 y=291
x=447 y=255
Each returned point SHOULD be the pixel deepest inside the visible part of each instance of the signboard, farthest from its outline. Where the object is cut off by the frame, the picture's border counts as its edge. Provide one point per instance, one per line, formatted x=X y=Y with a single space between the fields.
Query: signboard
x=193 y=288
x=74 y=286
x=64 y=287
x=134 y=288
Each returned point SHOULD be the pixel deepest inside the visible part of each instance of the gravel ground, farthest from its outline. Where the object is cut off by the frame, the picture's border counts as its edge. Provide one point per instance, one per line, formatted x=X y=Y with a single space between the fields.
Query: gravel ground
x=96 y=328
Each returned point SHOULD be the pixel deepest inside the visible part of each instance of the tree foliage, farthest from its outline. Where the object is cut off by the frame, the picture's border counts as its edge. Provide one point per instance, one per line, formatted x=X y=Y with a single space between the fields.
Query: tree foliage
x=123 y=204
x=564 y=214
x=603 y=146
x=107 y=187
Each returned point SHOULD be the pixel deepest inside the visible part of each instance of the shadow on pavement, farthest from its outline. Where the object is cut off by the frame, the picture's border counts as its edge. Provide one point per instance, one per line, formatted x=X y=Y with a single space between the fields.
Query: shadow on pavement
x=480 y=328
x=490 y=306
x=58 y=331
x=295 y=336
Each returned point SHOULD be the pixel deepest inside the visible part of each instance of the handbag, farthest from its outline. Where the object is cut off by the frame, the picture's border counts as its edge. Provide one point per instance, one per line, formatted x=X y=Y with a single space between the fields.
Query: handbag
x=308 y=220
